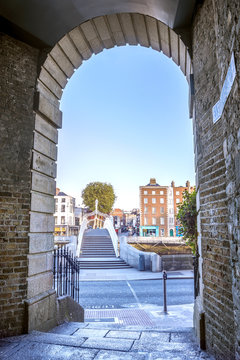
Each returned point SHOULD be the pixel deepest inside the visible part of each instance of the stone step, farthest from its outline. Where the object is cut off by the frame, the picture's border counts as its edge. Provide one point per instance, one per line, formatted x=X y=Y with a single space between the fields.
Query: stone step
x=89 y=341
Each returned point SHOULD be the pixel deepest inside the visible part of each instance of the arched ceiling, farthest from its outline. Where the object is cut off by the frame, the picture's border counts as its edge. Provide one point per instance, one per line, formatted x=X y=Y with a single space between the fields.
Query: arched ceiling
x=43 y=23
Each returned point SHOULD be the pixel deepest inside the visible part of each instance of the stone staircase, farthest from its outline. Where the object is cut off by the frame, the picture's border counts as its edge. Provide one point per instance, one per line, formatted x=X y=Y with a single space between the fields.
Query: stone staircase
x=97 y=341
x=97 y=251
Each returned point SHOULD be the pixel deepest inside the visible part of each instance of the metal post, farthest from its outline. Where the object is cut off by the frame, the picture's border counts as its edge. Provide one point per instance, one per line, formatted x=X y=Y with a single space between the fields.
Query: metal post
x=164 y=292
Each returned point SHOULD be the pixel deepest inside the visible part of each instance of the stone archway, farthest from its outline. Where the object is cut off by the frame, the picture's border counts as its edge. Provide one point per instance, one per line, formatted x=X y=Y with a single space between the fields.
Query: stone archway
x=91 y=37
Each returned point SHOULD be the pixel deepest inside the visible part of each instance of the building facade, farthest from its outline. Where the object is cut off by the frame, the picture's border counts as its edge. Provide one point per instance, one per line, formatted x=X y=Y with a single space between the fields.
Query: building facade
x=158 y=208
x=64 y=215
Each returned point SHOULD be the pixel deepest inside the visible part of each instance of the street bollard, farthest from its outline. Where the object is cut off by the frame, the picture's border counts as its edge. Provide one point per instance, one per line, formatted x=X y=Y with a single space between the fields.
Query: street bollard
x=164 y=292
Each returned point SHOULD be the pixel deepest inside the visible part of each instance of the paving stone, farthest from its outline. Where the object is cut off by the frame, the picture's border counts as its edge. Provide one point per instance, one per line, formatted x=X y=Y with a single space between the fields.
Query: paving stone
x=8 y=348
x=89 y=333
x=154 y=336
x=68 y=328
x=36 y=351
x=57 y=339
x=158 y=345
x=124 y=334
x=117 y=355
x=108 y=344
x=181 y=337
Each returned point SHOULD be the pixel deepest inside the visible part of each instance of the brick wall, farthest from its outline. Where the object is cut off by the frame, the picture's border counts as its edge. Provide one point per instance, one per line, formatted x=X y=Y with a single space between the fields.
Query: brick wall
x=213 y=42
x=18 y=77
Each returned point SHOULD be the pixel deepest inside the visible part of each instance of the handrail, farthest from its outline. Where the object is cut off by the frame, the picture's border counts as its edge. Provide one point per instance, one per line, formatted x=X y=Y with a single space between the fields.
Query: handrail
x=80 y=236
x=109 y=226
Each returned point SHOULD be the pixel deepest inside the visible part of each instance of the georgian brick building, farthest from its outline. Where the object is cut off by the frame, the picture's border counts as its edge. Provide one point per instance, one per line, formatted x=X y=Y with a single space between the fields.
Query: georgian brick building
x=158 y=208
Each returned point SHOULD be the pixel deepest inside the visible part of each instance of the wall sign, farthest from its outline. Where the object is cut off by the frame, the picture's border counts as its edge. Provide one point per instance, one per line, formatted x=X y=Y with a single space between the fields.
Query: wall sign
x=217 y=109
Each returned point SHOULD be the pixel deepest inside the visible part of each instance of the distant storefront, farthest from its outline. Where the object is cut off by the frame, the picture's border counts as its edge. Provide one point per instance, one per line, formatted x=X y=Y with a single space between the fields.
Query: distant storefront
x=149 y=230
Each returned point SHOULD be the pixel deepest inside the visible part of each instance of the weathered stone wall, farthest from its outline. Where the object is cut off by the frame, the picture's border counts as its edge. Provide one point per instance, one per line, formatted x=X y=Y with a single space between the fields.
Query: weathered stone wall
x=18 y=77
x=215 y=36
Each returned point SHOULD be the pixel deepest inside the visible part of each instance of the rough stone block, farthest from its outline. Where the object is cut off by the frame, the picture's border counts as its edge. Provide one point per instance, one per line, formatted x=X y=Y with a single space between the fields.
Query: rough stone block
x=43 y=183
x=38 y=284
x=92 y=37
x=70 y=50
x=174 y=46
x=51 y=66
x=182 y=50
x=45 y=146
x=80 y=43
x=40 y=243
x=128 y=29
x=47 y=94
x=62 y=60
x=69 y=310
x=152 y=30
x=50 y=83
x=140 y=28
x=49 y=110
x=164 y=38
x=41 y=311
x=39 y=263
x=46 y=129
x=44 y=165
x=116 y=29
x=103 y=32
x=42 y=203
x=40 y=222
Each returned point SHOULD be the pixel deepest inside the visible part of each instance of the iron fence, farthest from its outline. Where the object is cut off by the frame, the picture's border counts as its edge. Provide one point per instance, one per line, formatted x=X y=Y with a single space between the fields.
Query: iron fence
x=66 y=271
x=196 y=274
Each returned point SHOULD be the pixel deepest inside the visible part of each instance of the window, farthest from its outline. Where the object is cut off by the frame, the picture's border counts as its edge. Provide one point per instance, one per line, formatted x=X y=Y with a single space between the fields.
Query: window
x=153 y=210
x=145 y=192
x=153 y=221
x=56 y=199
x=161 y=200
x=162 y=210
x=145 y=209
x=171 y=221
x=62 y=208
x=145 y=200
x=162 y=232
x=177 y=200
x=62 y=219
x=63 y=200
x=56 y=207
x=161 y=192
x=55 y=217
x=145 y=221
x=171 y=211
x=153 y=200
x=162 y=220
x=177 y=192
x=153 y=192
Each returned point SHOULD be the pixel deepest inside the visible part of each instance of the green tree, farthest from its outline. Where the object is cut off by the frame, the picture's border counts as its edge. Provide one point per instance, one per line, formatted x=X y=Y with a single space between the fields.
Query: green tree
x=103 y=192
x=187 y=216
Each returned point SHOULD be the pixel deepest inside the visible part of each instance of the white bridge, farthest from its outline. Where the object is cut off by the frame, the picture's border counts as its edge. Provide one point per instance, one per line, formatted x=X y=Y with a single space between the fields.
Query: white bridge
x=97 y=220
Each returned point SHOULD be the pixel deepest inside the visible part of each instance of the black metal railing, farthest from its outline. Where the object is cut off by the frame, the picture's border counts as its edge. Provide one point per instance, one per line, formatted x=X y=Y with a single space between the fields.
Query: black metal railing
x=66 y=271
x=196 y=274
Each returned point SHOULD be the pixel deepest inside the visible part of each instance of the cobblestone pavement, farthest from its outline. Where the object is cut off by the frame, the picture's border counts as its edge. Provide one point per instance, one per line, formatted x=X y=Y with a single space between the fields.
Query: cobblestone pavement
x=100 y=341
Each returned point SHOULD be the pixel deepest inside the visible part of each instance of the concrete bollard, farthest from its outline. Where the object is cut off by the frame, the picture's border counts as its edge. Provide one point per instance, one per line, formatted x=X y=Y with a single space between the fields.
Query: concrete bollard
x=156 y=263
x=141 y=263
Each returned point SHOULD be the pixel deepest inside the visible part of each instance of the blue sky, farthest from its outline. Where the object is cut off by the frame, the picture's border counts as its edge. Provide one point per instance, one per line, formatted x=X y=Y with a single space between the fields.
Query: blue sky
x=125 y=119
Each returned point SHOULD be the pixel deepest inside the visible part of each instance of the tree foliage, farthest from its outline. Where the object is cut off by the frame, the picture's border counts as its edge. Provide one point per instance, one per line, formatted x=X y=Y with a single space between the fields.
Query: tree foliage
x=103 y=192
x=187 y=216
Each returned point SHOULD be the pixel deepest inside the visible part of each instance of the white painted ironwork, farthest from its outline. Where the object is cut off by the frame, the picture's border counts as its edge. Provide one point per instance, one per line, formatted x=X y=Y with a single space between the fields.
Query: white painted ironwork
x=109 y=226
x=105 y=223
